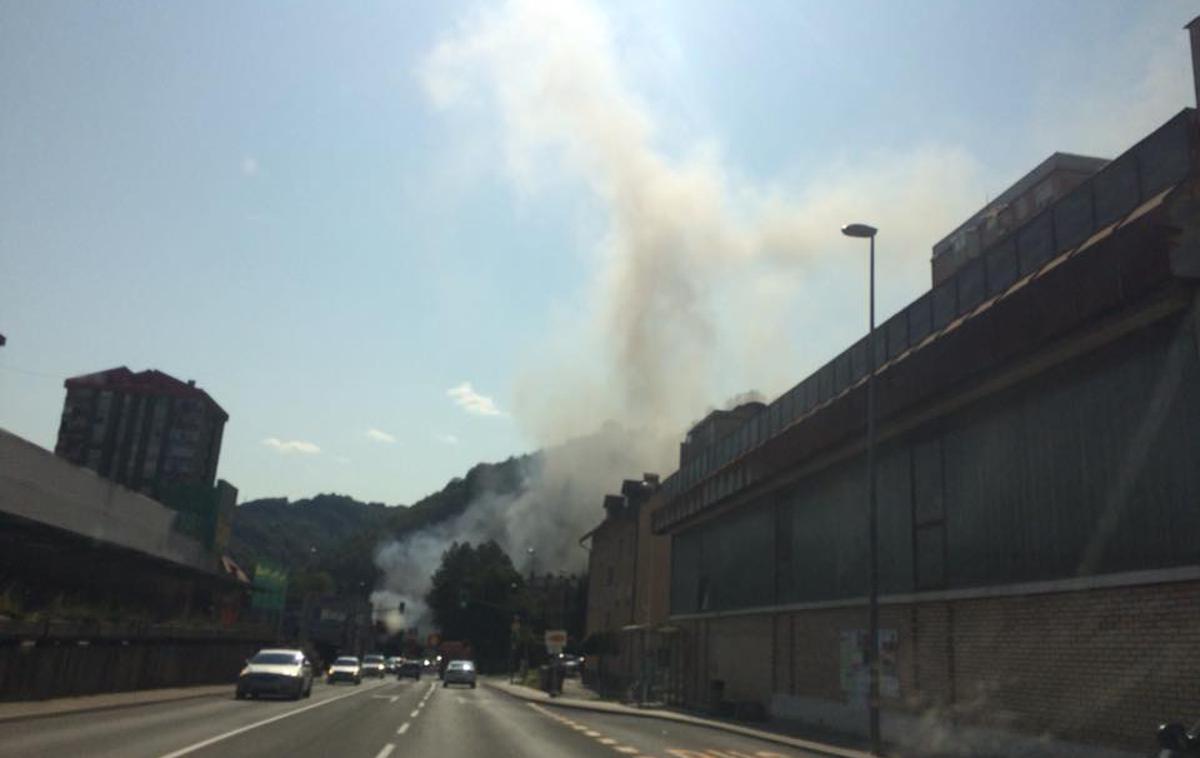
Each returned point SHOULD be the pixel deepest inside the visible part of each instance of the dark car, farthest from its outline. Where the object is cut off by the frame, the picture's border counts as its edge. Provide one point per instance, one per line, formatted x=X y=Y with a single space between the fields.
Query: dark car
x=410 y=668
x=345 y=669
x=571 y=664
x=284 y=673
x=459 y=672
x=374 y=666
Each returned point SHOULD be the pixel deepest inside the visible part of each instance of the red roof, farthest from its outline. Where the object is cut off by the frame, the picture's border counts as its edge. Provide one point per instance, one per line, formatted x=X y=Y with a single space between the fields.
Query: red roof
x=149 y=382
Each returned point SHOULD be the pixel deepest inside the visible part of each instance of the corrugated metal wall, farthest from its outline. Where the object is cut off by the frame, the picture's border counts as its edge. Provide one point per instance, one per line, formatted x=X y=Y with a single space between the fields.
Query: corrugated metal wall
x=1092 y=468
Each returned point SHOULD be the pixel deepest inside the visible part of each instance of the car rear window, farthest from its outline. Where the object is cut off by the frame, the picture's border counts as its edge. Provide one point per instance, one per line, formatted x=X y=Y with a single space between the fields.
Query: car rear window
x=373 y=659
x=346 y=662
x=276 y=658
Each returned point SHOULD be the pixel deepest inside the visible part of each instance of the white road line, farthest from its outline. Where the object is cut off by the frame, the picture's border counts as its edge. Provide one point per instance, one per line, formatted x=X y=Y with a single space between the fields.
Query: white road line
x=415 y=713
x=592 y=734
x=387 y=750
x=394 y=698
x=403 y=728
x=255 y=725
x=627 y=750
x=607 y=741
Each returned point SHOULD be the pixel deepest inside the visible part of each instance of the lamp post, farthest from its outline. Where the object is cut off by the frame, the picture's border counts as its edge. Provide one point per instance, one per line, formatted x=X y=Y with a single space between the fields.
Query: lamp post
x=864 y=231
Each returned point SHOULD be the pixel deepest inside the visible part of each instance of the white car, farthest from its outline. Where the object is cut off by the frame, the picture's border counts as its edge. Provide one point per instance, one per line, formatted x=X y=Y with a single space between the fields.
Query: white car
x=276 y=672
x=345 y=669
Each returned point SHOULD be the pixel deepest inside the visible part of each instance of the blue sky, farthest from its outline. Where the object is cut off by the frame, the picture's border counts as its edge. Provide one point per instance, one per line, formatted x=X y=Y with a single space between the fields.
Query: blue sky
x=332 y=227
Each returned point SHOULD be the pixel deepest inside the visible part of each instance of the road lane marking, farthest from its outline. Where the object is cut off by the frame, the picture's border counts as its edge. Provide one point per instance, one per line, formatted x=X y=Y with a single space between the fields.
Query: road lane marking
x=590 y=733
x=607 y=741
x=387 y=750
x=415 y=713
x=395 y=698
x=403 y=728
x=242 y=729
x=627 y=750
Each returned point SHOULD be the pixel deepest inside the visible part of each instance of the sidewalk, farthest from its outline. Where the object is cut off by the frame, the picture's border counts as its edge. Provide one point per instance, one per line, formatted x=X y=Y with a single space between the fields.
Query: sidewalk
x=575 y=697
x=36 y=709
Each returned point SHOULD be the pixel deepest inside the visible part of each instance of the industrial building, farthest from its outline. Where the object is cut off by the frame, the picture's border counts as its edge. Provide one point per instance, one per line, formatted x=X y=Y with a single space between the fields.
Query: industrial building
x=1038 y=475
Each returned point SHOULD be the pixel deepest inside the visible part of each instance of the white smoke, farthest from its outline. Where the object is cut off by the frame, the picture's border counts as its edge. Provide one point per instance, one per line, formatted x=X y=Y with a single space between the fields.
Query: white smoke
x=704 y=281
x=538 y=526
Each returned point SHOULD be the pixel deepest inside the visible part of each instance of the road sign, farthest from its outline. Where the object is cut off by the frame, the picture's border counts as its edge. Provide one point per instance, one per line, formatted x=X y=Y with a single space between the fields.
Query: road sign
x=555 y=640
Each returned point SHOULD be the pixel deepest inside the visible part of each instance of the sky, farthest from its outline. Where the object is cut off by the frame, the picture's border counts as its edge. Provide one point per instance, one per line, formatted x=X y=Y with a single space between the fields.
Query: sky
x=392 y=239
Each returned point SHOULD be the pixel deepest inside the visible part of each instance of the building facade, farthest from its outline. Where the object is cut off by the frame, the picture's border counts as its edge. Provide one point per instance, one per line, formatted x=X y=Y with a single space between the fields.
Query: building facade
x=147 y=430
x=1038 y=474
x=628 y=567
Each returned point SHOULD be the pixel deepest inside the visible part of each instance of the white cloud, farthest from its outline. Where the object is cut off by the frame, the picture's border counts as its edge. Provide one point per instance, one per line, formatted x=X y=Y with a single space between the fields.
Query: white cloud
x=469 y=400
x=286 y=447
x=249 y=166
x=446 y=439
x=378 y=435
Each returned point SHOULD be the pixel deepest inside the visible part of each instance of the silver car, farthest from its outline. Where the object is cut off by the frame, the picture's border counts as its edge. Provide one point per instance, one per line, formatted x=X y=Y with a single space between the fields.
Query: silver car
x=459 y=672
x=287 y=673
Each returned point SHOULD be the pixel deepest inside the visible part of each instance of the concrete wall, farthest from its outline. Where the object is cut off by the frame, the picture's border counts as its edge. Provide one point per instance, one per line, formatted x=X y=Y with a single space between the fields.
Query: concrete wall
x=38 y=486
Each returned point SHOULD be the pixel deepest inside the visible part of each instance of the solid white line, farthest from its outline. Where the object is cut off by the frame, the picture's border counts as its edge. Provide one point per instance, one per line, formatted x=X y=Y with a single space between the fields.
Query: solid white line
x=255 y=725
x=403 y=728
x=387 y=750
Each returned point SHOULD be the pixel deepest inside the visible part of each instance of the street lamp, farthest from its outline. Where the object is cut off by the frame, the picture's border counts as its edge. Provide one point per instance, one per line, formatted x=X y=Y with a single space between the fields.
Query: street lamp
x=864 y=231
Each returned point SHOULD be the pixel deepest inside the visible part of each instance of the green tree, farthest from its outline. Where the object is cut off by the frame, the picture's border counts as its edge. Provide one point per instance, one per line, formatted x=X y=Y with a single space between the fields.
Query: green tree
x=475 y=593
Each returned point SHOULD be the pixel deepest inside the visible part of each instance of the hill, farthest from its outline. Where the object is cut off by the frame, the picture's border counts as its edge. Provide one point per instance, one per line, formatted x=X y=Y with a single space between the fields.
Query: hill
x=345 y=531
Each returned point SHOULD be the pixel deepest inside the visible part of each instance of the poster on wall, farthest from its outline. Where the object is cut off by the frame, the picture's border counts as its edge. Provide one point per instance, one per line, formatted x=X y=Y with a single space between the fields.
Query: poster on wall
x=852 y=663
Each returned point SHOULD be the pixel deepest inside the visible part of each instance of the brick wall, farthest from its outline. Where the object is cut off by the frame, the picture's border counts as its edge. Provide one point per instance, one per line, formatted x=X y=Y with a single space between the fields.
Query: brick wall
x=1100 y=666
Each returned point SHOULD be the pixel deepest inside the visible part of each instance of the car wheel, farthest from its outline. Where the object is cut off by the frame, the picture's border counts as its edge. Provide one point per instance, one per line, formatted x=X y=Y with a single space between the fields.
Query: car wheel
x=308 y=690
x=239 y=695
x=472 y=685
x=445 y=684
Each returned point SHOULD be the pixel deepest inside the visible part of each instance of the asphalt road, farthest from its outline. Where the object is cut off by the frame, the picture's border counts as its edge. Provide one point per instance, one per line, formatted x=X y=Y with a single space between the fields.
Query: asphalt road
x=375 y=720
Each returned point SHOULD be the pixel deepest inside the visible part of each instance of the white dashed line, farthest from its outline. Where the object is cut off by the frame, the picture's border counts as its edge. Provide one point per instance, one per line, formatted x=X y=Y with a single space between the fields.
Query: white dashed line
x=387 y=750
x=415 y=713
x=627 y=750
x=403 y=728
x=395 y=698
x=592 y=734
x=607 y=741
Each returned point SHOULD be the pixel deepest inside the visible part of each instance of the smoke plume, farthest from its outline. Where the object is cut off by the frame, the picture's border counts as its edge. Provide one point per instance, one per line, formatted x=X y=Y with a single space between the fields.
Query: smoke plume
x=704 y=281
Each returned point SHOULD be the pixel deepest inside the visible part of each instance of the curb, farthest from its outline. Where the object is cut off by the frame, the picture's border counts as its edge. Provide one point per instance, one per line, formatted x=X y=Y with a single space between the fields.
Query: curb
x=84 y=708
x=745 y=731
